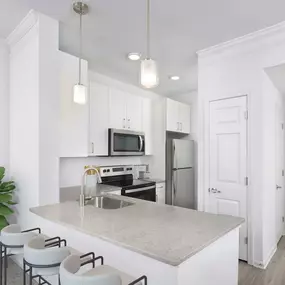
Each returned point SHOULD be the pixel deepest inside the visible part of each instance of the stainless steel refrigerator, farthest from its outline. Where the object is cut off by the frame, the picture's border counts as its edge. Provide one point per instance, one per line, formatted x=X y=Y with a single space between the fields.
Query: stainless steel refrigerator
x=180 y=178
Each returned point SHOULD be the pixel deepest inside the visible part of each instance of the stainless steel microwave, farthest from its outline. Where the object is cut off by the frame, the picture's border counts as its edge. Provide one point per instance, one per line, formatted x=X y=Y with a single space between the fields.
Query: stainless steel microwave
x=126 y=143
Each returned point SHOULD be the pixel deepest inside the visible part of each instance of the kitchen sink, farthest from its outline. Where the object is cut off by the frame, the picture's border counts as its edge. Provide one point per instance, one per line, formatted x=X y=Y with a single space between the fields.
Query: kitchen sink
x=107 y=203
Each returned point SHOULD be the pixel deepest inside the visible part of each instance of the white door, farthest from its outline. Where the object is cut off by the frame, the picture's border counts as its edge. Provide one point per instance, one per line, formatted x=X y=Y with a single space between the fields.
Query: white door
x=228 y=162
x=279 y=156
x=184 y=113
x=134 y=112
x=172 y=115
x=118 y=118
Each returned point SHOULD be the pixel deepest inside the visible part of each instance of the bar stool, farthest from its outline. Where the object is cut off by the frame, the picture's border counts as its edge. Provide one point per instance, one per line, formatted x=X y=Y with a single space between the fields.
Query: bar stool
x=42 y=257
x=100 y=275
x=12 y=243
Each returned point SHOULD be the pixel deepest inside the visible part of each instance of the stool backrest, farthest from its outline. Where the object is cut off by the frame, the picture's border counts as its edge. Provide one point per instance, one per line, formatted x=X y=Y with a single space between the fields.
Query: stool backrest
x=12 y=236
x=71 y=265
x=36 y=253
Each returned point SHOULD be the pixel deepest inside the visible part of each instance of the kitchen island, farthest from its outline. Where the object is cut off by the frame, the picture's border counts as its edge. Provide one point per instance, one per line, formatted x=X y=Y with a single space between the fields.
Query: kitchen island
x=171 y=245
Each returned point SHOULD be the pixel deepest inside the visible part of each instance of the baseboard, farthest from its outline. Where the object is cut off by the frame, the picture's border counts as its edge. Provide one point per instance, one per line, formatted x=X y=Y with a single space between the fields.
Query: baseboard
x=264 y=264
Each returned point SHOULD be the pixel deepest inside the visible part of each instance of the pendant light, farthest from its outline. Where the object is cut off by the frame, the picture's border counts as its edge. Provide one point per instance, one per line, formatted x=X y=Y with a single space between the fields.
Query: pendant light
x=149 y=73
x=79 y=90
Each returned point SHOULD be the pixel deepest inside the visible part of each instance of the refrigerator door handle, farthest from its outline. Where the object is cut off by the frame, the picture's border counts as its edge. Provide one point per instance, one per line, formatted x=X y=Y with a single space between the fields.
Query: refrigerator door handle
x=174 y=188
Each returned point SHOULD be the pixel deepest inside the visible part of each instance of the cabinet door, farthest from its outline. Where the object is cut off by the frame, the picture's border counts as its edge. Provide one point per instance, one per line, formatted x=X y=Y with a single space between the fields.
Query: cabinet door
x=172 y=115
x=147 y=125
x=74 y=118
x=185 y=117
x=118 y=118
x=99 y=119
x=134 y=112
x=160 y=193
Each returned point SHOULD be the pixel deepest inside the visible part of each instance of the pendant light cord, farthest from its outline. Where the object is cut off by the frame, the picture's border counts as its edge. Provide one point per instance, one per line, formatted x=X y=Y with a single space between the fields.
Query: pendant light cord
x=148 y=29
x=80 y=46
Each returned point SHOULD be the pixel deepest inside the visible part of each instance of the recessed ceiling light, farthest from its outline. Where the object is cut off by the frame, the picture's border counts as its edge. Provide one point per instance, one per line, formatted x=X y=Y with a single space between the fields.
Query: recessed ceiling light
x=174 y=77
x=134 y=56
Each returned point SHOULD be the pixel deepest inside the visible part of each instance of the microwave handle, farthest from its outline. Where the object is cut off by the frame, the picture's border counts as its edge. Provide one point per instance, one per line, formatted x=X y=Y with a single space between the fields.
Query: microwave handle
x=141 y=143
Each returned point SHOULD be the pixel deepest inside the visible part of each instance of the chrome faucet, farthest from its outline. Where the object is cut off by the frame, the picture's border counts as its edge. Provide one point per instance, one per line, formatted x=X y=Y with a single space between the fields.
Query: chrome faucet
x=82 y=194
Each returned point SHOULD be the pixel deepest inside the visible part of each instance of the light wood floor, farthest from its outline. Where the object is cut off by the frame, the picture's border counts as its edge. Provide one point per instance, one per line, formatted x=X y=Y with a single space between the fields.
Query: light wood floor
x=273 y=275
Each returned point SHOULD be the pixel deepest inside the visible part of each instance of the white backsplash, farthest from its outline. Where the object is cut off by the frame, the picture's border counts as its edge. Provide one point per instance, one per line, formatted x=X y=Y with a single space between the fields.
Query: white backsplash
x=71 y=169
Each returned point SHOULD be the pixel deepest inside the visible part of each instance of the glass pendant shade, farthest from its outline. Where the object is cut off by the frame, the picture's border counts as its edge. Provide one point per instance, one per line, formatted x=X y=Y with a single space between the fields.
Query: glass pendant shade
x=149 y=73
x=79 y=94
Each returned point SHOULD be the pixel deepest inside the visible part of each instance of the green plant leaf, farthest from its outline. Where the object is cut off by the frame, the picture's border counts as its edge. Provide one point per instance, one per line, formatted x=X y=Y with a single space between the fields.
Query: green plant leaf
x=7 y=188
x=11 y=203
x=3 y=222
x=5 y=198
x=5 y=184
x=2 y=173
x=5 y=210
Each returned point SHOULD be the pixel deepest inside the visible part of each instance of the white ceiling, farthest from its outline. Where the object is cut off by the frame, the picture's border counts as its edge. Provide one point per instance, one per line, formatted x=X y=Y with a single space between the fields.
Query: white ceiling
x=179 y=28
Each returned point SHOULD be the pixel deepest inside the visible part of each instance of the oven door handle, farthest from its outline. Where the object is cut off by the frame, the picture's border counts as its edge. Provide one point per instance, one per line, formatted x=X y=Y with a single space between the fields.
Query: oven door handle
x=139 y=189
x=141 y=143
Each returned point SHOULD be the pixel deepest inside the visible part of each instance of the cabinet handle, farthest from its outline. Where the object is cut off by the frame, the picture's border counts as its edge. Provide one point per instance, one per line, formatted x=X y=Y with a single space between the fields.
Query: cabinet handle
x=177 y=126
x=92 y=147
x=129 y=123
x=124 y=123
x=180 y=126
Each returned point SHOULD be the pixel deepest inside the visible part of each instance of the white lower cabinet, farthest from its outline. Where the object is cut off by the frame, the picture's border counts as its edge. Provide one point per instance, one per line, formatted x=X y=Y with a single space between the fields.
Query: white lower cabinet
x=160 y=193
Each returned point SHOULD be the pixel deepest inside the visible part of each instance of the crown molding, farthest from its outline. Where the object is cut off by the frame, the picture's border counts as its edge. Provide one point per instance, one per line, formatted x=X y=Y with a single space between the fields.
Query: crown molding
x=23 y=28
x=252 y=38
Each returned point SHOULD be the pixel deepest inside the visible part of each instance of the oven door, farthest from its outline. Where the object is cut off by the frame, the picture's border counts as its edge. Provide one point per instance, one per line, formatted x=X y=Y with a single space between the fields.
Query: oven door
x=126 y=143
x=146 y=193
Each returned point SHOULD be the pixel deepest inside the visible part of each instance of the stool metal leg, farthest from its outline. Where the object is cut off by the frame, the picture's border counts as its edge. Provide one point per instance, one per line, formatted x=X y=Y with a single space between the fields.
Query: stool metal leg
x=24 y=272
x=5 y=265
x=31 y=276
x=1 y=264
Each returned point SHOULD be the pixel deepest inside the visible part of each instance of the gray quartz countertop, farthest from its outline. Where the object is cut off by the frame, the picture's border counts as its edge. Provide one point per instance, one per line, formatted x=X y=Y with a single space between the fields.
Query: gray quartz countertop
x=168 y=234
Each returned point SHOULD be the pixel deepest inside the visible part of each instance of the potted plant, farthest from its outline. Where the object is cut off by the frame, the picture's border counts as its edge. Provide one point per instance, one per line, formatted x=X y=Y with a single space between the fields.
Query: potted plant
x=6 y=190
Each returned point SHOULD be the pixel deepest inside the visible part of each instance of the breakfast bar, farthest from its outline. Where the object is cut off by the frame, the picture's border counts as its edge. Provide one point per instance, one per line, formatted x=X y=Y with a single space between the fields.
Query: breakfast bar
x=170 y=245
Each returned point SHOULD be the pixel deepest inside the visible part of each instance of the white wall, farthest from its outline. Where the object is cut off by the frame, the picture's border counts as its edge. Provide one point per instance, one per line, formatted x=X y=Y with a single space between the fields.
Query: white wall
x=33 y=123
x=233 y=69
x=4 y=104
x=71 y=168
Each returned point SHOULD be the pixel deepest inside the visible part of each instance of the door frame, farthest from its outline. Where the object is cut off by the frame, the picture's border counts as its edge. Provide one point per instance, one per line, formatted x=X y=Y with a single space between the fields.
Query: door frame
x=205 y=182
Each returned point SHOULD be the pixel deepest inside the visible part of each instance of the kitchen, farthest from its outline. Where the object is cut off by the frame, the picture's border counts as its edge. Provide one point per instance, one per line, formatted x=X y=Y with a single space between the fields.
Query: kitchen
x=129 y=154
x=79 y=135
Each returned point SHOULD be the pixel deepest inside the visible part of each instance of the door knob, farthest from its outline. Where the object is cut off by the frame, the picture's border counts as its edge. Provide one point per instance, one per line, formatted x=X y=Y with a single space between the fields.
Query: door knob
x=214 y=190
x=278 y=187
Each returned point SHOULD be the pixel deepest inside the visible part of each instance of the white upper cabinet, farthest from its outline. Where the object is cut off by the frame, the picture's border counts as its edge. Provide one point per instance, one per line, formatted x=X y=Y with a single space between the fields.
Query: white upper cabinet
x=177 y=117
x=125 y=110
x=185 y=118
x=134 y=112
x=172 y=118
x=74 y=118
x=117 y=110
x=99 y=119
x=147 y=125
